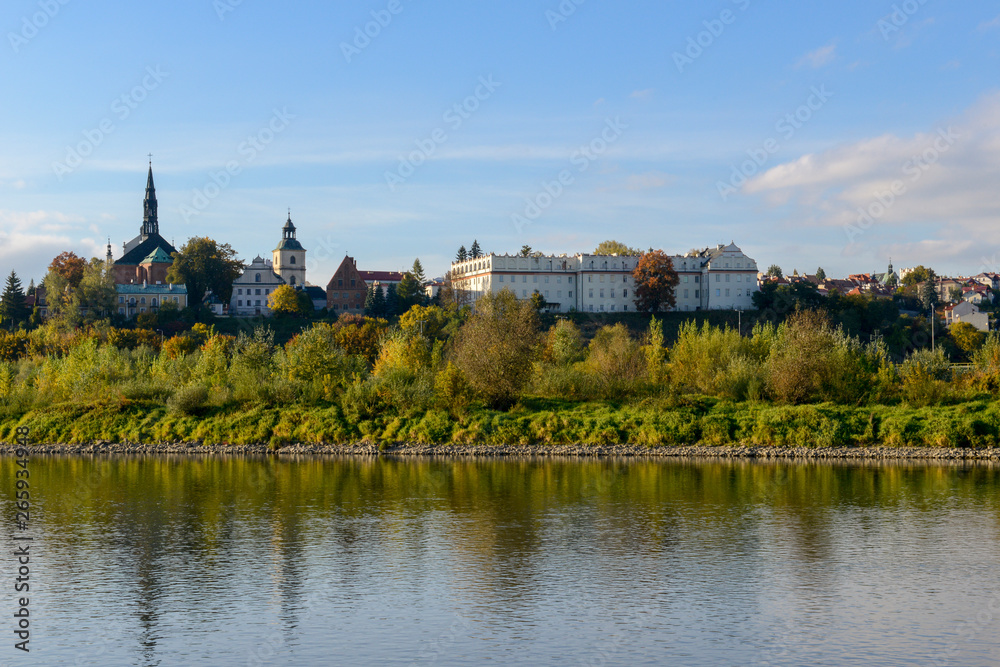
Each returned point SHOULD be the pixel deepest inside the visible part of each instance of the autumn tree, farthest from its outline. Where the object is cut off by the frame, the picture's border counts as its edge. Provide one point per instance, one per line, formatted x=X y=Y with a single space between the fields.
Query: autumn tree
x=919 y=275
x=95 y=295
x=70 y=266
x=655 y=282
x=204 y=265
x=615 y=248
x=495 y=348
x=525 y=251
x=967 y=337
x=285 y=301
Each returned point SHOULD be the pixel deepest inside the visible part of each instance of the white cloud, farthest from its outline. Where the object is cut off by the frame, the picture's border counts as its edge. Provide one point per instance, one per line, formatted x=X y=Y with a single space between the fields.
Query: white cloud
x=818 y=58
x=989 y=25
x=939 y=183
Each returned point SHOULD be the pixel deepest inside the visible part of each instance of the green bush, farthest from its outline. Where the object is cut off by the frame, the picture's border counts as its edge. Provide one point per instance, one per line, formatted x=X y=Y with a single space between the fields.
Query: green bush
x=188 y=400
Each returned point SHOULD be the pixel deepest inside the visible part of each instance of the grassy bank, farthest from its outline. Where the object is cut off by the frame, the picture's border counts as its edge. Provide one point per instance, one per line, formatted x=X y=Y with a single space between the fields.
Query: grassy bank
x=533 y=422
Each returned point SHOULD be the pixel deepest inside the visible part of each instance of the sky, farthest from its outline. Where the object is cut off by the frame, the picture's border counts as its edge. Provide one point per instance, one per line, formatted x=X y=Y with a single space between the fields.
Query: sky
x=841 y=134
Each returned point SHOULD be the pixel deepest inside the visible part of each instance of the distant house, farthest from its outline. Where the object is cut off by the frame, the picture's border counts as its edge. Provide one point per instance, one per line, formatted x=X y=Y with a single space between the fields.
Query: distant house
x=990 y=280
x=147 y=298
x=967 y=312
x=382 y=278
x=346 y=291
x=251 y=290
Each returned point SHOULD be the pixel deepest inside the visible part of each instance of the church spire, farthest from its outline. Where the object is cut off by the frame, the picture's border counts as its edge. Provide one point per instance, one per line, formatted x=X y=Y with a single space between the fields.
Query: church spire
x=150 y=225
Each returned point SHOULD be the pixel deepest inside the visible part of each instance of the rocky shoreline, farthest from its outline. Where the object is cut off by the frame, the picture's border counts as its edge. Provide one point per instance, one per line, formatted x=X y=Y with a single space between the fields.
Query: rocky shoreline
x=524 y=451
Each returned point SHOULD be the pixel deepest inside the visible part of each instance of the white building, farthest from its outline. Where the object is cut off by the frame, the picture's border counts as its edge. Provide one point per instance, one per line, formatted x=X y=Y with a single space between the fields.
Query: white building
x=969 y=313
x=721 y=278
x=250 y=291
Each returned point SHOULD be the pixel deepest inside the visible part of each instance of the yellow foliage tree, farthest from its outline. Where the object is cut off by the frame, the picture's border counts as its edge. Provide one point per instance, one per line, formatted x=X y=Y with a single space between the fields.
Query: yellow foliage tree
x=284 y=301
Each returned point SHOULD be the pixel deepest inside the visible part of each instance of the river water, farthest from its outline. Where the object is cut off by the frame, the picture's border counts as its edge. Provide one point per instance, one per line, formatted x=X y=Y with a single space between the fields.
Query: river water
x=241 y=561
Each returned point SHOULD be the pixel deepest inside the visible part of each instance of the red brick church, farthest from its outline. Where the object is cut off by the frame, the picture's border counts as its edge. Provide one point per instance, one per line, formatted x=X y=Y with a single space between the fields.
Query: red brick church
x=147 y=257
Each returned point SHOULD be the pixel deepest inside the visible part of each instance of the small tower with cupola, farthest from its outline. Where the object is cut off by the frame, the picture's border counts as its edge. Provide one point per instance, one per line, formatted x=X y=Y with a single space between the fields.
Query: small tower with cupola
x=289 y=258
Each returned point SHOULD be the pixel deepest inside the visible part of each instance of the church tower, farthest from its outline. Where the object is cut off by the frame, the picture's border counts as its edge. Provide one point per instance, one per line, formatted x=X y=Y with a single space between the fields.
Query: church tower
x=109 y=259
x=289 y=258
x=150 y=225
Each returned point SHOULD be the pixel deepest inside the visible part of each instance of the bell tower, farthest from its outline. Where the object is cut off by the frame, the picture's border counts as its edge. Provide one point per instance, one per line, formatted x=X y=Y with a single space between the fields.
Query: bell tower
x=289 y=258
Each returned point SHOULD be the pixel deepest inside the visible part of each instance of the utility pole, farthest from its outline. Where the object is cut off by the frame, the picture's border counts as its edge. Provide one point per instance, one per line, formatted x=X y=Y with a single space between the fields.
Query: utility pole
x=933 y=348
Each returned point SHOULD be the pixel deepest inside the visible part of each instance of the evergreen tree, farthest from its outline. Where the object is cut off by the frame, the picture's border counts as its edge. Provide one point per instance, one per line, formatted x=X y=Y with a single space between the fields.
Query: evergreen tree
x=475 y=252
x=928 y=294
x=820 y=274
x=370 y=302
x=12 y=309
x=418 y=271
x=31 y=288
x=526 y=251
x=462 y=255
x=409 y=293
x=391 y=301
x=378 y=302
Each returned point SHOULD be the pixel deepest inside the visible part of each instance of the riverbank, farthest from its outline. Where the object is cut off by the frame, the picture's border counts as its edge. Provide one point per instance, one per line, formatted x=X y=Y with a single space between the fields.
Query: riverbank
x=524 y=451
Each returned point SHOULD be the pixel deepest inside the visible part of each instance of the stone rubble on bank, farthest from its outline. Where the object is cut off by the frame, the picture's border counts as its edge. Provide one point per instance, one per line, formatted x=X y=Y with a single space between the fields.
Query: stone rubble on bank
x=581 y=451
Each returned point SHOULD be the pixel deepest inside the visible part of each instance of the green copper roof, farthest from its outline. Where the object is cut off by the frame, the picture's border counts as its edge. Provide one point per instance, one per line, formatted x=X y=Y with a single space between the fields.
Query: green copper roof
x=158 y=256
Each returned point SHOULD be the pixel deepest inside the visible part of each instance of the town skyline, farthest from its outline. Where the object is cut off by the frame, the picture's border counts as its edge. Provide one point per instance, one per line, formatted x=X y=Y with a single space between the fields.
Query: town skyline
x=670 y=128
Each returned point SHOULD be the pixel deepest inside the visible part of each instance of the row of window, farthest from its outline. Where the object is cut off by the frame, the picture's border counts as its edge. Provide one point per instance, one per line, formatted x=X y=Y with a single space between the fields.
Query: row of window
x=340 y=282
x=336 y=306
x=611 y=308
x=250 y=292
x=624 y=294
x=142 y=300
x=534 y=279
x=239 y=302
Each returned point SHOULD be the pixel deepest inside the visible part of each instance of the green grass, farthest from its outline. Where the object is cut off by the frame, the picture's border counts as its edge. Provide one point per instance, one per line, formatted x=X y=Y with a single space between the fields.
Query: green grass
x=533 y=422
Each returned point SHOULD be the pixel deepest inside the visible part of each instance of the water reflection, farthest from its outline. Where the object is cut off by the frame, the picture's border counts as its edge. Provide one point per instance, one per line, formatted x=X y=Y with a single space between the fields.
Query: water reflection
x=229 y=560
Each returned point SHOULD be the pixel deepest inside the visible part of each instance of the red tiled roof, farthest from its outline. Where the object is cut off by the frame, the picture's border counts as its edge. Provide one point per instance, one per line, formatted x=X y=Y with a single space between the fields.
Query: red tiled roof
x=381 y=276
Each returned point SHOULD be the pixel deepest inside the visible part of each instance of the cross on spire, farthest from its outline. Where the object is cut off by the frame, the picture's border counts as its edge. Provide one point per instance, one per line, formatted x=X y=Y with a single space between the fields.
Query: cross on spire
x=150 y=159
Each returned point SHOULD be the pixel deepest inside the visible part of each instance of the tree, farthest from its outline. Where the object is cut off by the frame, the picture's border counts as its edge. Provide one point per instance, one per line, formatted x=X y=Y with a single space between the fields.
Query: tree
x=376 y=307
x=820 y=274
x=12 y=309
x=615 y=248
x=495 y=348
x=774 y=271
x=526 y=251
x=31 y=288
x=70 y=266
x=94 y=298
x=462 y=254
x=204 y=265
x=418 y=272
x=955 y=294
x=432 y=321
x=918 y=275
x=538 y=301
x=391 y=301
x=967 y=337
x=655 y=281
x=409 y=293
x=475 y=252
x=369 y=301
x=285 y=301
x=928 y=294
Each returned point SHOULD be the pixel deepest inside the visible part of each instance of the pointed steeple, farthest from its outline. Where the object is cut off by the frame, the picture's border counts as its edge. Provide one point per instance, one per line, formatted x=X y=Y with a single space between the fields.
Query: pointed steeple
x=150 y=225
x=109 y=258
x=288 y=231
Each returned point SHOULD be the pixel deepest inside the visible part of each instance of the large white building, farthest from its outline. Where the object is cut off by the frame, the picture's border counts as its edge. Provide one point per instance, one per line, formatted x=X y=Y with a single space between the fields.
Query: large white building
x=720 y=278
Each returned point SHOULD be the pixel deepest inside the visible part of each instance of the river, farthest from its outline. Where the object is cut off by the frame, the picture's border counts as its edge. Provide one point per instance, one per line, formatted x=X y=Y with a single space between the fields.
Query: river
x=162 y=560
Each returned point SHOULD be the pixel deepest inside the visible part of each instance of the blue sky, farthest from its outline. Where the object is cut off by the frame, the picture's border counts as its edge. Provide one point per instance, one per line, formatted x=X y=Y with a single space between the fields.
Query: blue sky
x=834 y=134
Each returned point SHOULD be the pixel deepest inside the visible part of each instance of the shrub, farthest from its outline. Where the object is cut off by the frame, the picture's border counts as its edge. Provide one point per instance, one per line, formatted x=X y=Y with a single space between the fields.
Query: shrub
x=616 y=360
x=496 y=347
x=188 y=400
